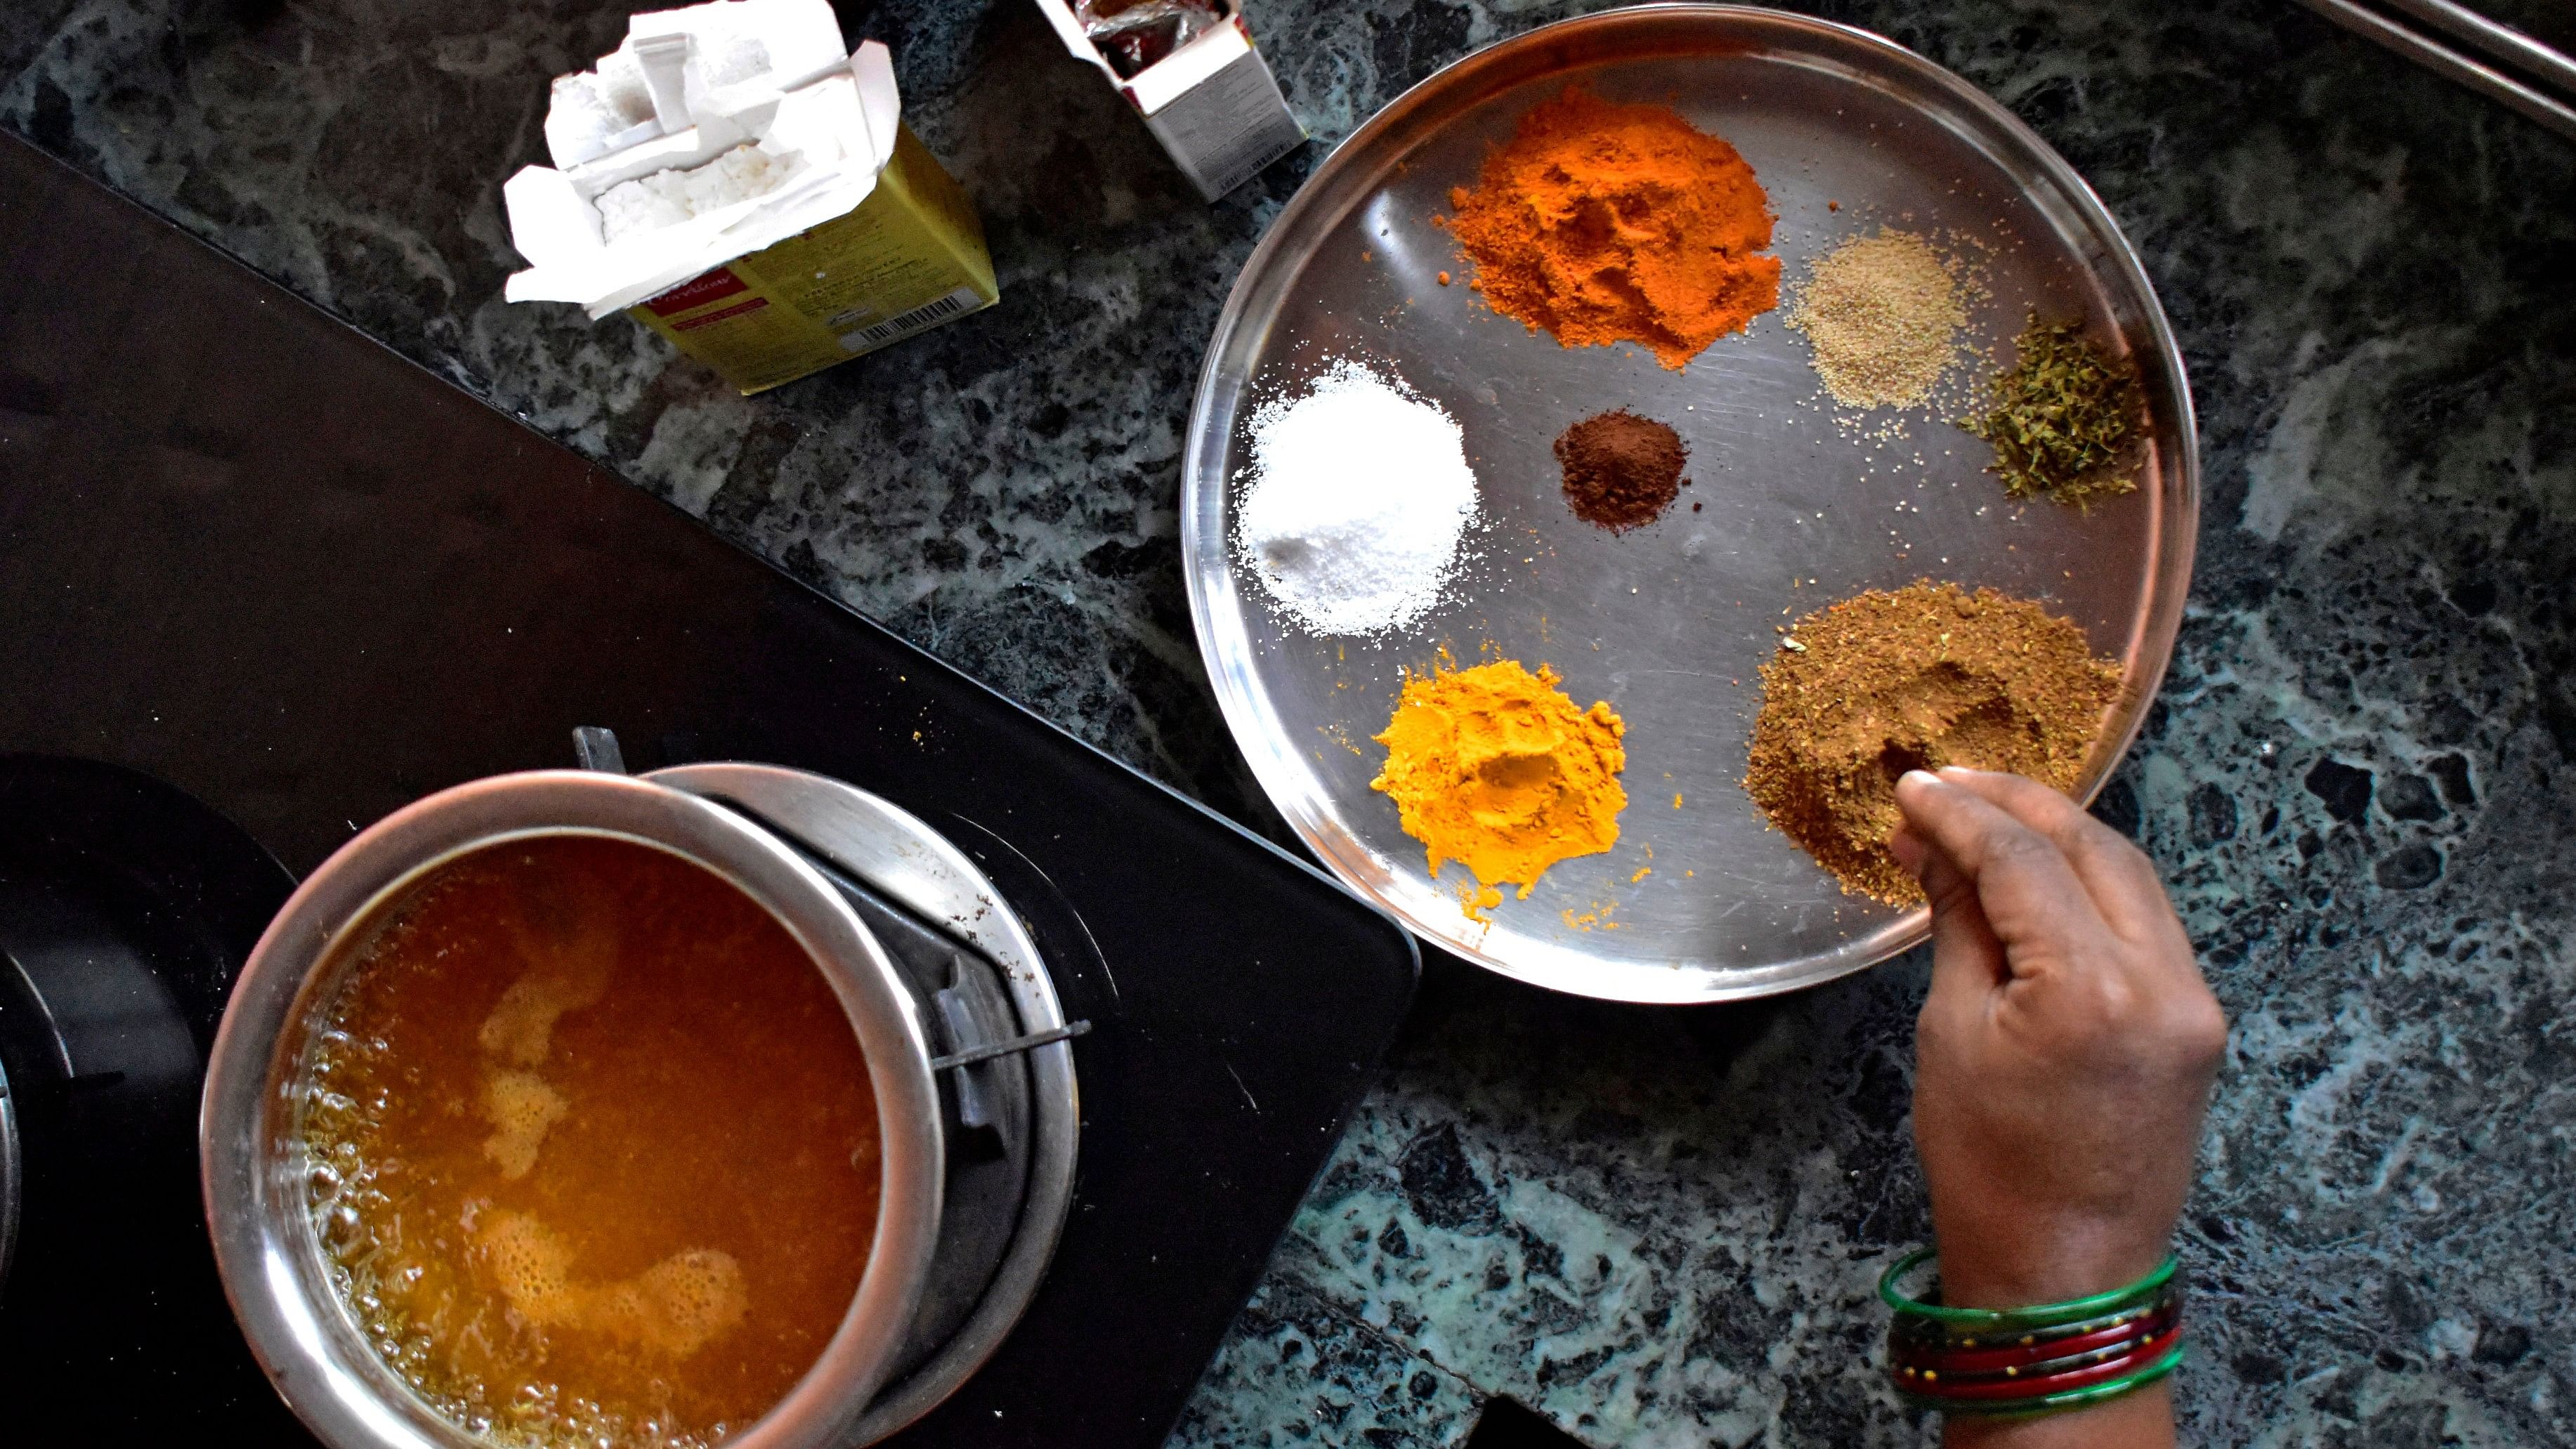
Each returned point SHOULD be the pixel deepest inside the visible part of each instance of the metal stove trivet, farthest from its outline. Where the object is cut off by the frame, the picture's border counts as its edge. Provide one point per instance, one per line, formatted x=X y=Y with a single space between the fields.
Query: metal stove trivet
x=1006 y=1063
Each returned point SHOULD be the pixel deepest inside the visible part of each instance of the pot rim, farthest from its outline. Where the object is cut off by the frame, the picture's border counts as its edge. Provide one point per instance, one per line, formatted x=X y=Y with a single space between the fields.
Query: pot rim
x=252 y=1170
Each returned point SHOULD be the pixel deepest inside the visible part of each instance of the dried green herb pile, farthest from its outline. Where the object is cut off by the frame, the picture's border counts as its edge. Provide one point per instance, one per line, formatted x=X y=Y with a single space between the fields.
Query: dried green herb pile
x=2062 y=418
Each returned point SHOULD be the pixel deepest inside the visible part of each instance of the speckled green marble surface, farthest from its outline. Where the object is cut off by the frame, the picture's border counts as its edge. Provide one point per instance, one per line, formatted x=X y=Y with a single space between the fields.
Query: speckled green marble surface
x=1660 y=1227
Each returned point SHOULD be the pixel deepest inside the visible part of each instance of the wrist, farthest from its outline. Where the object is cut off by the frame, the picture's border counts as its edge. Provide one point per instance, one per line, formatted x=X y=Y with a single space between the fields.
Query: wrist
x=2018 y=1265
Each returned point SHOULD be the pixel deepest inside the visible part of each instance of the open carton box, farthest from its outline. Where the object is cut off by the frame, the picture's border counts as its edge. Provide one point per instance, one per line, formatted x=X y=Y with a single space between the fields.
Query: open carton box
x=739 y=185
x=1212 y=103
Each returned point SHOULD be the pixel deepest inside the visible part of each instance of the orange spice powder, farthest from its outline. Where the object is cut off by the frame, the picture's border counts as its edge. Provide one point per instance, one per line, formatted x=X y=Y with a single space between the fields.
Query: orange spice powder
x=1496 y=768
x=1618 y=223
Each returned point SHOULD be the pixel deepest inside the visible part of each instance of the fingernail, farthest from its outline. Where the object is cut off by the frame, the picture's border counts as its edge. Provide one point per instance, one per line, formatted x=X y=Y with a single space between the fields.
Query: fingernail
x=1921 y=778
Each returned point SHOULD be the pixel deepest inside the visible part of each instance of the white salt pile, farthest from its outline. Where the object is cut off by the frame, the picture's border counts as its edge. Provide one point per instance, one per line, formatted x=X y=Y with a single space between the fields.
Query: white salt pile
x=668 y=198
x=1360 y=496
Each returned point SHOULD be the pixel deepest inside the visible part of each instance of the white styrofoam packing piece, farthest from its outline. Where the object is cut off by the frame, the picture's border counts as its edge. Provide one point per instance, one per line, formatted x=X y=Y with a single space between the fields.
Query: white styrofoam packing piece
x=779 y=132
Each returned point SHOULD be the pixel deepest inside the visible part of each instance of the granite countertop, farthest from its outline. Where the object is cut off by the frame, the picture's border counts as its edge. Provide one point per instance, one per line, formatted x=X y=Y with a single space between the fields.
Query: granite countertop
x=1660 y=1227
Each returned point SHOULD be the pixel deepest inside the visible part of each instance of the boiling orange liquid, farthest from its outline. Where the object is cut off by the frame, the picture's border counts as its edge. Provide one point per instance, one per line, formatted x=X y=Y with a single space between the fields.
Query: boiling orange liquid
x=596 y=1156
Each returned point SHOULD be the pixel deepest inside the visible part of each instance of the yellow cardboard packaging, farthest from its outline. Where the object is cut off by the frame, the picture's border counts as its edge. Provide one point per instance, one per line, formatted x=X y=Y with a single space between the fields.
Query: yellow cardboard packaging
x=908 y=258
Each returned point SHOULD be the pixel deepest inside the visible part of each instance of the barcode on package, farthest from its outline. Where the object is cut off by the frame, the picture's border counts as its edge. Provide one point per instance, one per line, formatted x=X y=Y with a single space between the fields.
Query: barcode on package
x=940 y=310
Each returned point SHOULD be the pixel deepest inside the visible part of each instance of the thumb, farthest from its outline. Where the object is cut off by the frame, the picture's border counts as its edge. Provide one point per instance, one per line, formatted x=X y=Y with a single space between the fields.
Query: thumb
x=1968 y=959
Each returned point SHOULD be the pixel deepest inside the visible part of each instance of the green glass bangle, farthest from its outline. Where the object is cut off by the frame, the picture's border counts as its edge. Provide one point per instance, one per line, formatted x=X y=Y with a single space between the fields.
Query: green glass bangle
x=2020 y=1320
x=2059 y=1403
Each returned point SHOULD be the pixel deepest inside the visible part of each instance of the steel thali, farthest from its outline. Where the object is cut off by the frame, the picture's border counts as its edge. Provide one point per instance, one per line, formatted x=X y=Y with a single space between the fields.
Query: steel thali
x=1796 y=506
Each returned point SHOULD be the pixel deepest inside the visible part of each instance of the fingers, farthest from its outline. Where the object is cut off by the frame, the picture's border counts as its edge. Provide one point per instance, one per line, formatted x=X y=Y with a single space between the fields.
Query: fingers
x=2027 y=890
x=2116 y=874
x=1967 y=959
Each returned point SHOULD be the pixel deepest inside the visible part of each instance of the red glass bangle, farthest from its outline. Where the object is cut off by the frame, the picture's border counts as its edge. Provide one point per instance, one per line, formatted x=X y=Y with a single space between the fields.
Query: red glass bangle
x=2019 y=1361
x=2041 y=1385
x=2031 y=1355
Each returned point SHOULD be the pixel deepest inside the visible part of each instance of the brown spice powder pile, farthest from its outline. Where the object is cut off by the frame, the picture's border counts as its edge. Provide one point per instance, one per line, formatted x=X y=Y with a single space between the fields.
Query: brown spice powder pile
x=1621 y=471
x=1926 y=676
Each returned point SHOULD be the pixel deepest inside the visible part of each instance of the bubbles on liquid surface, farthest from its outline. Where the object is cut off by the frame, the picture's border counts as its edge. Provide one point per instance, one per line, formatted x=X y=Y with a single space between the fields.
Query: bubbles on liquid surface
x=483 y=1304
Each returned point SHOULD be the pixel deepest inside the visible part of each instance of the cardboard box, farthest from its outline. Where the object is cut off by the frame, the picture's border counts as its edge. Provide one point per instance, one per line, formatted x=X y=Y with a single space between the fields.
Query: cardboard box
x=732 y=180
x=1212 y=103
x=908 y=258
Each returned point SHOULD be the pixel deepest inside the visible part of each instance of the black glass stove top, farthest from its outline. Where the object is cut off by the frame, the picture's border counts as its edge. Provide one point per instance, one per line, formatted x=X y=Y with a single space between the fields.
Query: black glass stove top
x=250 y=553
x=125 y=909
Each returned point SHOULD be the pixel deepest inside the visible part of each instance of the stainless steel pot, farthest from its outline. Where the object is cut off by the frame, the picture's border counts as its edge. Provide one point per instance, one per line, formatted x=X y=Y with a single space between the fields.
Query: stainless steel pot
x=257 y=1178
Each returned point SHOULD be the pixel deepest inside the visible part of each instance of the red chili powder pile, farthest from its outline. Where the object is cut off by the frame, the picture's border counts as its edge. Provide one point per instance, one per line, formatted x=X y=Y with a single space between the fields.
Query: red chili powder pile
x=1618 y=223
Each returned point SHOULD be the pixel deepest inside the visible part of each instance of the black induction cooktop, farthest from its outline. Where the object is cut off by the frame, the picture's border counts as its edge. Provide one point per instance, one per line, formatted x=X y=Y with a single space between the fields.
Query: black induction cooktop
x=252 y=560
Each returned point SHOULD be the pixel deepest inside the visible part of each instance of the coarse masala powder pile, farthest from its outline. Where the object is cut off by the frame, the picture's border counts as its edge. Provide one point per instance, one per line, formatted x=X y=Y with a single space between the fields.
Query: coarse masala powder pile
x=1926 y=676
x=1619 y=223
x=1495 y=768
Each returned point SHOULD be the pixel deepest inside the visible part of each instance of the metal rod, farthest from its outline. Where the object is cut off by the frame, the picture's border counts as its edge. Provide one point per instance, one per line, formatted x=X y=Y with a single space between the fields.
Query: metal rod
x=597 y=749
x=2494 y=84
x=2554 y=71
x=992 y=1049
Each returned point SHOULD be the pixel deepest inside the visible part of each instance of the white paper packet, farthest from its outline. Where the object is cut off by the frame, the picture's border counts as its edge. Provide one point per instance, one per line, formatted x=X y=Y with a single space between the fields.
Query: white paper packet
x=690 y=87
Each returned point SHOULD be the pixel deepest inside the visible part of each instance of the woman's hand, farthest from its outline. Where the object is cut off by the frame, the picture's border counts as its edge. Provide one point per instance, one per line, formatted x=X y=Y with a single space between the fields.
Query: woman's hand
x=2063 y=1063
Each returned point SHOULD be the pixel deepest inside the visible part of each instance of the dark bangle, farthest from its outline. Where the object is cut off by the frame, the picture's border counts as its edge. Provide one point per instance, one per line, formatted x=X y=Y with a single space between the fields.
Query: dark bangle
x=2014 y=1361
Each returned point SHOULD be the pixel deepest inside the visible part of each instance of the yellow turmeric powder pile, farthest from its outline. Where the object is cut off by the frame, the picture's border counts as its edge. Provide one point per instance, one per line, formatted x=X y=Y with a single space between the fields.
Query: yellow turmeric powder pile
x=1495 y=768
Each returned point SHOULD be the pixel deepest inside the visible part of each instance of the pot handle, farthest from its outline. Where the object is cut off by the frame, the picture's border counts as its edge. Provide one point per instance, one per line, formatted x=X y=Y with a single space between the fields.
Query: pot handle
x=596 y=749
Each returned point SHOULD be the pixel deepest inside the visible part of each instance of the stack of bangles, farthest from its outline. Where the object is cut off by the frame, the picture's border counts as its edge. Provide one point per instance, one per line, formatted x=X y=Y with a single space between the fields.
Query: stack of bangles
x=2000 y=1361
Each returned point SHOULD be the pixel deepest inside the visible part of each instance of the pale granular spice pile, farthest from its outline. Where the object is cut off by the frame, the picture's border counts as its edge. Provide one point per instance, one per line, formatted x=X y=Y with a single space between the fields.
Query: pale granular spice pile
x=1883 y=314
x=1926 y=676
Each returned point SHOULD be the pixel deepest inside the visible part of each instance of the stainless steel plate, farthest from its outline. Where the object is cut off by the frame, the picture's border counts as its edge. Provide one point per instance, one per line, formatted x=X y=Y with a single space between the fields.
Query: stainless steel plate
x=1669 y=623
